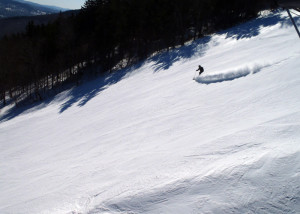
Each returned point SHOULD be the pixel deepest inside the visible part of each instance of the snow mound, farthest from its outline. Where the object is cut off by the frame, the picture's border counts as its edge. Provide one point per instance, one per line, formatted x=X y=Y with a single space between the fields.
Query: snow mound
x=229 y=75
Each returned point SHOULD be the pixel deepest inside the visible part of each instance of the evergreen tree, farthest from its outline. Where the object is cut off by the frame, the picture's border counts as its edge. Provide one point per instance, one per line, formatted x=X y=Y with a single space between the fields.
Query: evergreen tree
x=109 y=34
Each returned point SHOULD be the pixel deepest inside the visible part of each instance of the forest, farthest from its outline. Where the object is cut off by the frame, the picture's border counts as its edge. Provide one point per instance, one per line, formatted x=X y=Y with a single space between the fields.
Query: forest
x=107 y=35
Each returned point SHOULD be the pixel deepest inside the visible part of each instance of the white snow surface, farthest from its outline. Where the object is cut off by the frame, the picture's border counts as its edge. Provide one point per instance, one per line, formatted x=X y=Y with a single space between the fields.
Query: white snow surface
x=158 y=139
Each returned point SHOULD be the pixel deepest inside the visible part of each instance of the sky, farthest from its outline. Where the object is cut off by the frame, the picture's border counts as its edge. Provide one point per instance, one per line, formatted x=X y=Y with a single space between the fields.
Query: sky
x=68 y=4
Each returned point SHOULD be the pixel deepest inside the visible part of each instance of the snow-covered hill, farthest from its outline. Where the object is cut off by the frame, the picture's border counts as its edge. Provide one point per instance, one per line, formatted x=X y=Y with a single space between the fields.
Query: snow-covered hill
x=159 y=139
x=12 y=8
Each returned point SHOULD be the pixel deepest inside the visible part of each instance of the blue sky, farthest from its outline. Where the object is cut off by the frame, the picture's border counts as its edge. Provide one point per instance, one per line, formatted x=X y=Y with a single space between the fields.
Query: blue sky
x=70 y=4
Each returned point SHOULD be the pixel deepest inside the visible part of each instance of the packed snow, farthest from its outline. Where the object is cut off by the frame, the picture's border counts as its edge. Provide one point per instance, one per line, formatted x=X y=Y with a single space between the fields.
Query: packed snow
x=158 y=138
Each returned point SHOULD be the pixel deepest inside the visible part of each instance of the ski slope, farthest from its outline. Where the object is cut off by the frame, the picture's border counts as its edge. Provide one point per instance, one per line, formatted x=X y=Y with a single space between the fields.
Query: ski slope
x=157 y=138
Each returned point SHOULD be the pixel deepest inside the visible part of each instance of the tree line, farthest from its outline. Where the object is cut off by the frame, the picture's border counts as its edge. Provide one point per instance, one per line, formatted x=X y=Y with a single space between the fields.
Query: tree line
x=108 y=35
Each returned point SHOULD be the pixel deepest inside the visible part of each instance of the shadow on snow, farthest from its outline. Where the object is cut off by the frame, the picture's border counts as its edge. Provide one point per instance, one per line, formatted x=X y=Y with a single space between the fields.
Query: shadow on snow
x=88 y=91
x=252 y=28
x=82 y=94
x=162 y=61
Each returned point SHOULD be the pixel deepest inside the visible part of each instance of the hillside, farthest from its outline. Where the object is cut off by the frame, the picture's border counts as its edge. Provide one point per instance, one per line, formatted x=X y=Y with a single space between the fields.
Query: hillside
x=156 y=138
x=18 y=24
x=12 y=8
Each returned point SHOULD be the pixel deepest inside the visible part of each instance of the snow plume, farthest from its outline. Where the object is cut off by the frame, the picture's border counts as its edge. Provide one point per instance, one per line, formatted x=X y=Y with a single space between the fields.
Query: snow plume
x=229 y=75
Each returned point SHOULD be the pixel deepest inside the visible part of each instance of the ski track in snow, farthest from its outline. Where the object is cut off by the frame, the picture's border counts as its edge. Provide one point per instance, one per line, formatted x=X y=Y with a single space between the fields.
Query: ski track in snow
x=253 y=183
x=234 y=74
x=229 y=75
x=154 y=141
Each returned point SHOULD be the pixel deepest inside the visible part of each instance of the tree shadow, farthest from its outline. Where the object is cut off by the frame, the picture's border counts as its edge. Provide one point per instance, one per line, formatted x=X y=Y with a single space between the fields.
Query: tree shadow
x=91 y=89
x=27 y=105
x=82 y=94
x=252 y=28
x=165 y=60
x=162 y=61
x=87 y=91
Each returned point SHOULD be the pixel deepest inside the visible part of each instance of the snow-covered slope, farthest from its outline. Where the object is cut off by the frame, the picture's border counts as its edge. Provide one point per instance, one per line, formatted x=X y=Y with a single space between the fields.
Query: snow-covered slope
x=153 y=140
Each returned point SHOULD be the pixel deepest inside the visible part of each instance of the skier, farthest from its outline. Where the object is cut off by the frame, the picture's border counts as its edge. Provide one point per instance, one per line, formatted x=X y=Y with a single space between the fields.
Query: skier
x=200 y=69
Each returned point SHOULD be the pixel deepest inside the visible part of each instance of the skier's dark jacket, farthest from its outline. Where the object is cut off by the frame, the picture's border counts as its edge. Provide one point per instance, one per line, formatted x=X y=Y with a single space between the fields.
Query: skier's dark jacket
x=200 y=69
